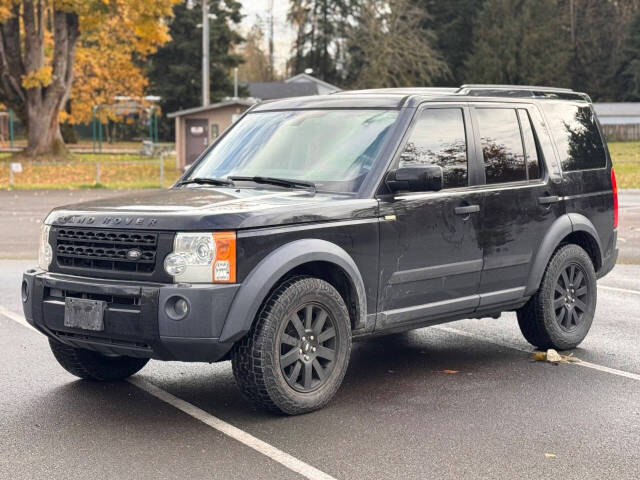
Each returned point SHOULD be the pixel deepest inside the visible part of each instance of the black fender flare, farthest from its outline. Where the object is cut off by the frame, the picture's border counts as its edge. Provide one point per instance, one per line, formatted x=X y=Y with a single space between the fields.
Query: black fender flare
x=563 y=226
x=273 y=267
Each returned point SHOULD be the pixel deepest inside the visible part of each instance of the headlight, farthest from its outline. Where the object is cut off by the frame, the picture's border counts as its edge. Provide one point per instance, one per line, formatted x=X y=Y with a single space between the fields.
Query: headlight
x=45 y=252
x=203 y=258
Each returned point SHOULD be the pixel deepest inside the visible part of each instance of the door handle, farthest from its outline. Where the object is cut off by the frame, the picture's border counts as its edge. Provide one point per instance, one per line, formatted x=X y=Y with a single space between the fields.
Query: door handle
x=467 y=209
x=548 y=200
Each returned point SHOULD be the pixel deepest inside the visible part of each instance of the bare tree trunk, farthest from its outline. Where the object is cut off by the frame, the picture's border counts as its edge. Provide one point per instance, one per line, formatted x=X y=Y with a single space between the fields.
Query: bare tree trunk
x=39 y=100
x=43 y=135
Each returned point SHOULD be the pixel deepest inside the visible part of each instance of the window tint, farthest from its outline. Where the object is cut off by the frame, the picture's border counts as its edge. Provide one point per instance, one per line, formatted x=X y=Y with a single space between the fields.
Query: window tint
x=576 y=134
x=530 y=149
x=501 y=145
x=439 y=139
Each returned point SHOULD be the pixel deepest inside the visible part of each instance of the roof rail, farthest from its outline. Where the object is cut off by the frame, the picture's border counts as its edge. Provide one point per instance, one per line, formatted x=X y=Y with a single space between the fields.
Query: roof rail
x=516 y=87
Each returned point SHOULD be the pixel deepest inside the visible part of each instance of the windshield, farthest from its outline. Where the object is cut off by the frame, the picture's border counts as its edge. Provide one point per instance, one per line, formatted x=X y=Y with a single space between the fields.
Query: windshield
x=334 y=149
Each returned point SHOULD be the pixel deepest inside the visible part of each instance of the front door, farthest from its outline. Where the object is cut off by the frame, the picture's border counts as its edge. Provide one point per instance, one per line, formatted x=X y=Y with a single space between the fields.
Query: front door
x=197 y=138
x=430 y=254
x=522 y=200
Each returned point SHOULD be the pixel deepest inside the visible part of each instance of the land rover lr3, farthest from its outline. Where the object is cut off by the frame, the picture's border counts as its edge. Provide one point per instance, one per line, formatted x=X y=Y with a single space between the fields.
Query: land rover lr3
x=313 y=221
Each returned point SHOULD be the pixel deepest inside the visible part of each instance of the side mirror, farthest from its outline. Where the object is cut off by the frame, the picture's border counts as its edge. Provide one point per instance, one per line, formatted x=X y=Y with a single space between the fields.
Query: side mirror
x=415 y=179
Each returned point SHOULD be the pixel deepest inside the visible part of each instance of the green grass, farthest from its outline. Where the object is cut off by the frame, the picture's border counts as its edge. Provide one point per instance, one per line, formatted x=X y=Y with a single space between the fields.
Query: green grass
x=626 y=162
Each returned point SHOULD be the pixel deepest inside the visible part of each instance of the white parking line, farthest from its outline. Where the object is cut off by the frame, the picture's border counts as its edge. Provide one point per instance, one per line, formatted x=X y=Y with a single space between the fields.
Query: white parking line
x=223 y=427
x=241 y=436
x=16 y=318
x=501 y=343
x=622 y=290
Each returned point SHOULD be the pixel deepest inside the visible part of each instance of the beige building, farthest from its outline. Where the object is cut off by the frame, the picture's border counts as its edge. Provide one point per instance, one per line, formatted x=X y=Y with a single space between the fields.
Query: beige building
x=197 y=127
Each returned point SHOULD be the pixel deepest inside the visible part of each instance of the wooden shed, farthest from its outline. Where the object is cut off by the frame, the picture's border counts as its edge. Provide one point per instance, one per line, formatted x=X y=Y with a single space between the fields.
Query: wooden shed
x=197 y=127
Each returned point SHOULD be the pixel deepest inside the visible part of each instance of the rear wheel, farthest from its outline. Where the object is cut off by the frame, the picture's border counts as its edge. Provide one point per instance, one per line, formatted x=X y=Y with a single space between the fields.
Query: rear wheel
x=294 y=358
x=560 y=314
x=91 y=365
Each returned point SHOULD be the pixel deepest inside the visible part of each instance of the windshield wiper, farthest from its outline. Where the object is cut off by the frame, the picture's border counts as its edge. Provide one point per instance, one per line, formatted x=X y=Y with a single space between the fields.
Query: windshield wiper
x=221 y=182
x=281 y=182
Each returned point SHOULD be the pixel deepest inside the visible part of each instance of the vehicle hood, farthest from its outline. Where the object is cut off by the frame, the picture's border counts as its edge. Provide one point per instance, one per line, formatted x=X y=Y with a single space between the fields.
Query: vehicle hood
x=212 y=208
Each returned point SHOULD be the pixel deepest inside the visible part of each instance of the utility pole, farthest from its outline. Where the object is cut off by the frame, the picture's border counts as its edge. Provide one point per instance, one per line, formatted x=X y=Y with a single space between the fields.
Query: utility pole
x=572 y=21
x=206 y=81
x=271 y=53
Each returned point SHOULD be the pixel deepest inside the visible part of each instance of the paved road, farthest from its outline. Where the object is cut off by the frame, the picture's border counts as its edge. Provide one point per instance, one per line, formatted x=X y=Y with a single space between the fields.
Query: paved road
x=397 y=415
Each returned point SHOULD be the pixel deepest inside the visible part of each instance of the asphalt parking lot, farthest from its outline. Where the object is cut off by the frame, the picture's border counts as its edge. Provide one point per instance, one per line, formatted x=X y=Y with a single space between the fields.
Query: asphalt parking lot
x=463 y=400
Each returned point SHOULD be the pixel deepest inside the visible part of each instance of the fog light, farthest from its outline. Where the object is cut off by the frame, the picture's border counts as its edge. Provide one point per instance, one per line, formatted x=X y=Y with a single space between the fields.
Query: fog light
x=177 y=308
x=181 y=307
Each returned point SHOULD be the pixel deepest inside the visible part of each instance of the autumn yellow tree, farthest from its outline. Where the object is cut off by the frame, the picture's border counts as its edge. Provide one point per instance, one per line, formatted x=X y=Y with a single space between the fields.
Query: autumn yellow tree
x=41 y=41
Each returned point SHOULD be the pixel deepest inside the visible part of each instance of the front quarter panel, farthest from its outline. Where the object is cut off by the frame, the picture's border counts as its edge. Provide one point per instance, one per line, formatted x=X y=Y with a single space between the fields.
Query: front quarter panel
x=274 y=266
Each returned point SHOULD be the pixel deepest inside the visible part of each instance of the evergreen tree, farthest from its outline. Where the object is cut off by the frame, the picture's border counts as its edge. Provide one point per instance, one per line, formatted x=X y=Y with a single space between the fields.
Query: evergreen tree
x=519 y=42
x=629 y=71
x=452 y=24
x=320 y=27
x=597 y=49
x=599 y=30
x=175 y=71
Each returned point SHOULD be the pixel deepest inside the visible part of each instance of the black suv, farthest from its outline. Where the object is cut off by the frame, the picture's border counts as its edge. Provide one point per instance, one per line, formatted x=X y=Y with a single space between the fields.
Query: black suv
x=317 y=220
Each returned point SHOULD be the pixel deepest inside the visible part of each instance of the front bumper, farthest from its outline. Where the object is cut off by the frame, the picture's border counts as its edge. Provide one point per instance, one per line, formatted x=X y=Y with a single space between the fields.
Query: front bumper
x=137 y=320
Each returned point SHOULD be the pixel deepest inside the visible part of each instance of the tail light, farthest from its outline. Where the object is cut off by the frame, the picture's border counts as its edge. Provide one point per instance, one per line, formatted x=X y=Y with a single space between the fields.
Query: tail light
x=614 y=187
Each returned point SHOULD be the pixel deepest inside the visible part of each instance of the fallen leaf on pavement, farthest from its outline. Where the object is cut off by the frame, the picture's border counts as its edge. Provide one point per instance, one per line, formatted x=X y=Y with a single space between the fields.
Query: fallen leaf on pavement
x=550 y=455
x=552 y=356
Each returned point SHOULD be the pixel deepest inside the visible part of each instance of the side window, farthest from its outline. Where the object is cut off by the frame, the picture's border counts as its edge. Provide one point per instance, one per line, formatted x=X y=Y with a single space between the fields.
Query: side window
x=439 y=139
x=530 y=148
x=501 y=145
x=576 y=135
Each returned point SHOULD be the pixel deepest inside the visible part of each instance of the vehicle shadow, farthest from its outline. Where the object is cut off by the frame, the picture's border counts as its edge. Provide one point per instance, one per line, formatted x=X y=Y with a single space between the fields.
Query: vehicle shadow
x=391 y=372
x=387 y=370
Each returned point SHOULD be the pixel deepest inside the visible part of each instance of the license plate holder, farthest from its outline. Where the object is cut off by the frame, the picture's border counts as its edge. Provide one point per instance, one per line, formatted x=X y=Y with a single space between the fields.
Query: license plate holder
x=84 y=313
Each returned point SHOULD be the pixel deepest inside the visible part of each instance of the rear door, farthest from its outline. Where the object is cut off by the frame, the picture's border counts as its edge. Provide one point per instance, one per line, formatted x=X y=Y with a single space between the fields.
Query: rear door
x=521 y=196
x=430 y=253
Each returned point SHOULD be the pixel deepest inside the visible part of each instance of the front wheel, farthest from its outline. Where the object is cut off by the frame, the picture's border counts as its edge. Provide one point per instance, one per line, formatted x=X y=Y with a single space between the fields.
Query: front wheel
x=295 y=356
x=560 y=314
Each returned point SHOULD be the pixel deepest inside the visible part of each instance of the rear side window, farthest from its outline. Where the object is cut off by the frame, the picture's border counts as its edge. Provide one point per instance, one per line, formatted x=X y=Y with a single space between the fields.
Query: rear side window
x=576 y=135
x=439 y=139
x=501 y=145
x=530 y=146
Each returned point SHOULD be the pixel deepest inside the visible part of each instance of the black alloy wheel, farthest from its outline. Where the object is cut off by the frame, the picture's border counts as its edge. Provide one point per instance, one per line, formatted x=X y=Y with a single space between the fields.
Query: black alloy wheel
x=571 y=297
x=308 y=345
x=296 y=354
x=559 y=315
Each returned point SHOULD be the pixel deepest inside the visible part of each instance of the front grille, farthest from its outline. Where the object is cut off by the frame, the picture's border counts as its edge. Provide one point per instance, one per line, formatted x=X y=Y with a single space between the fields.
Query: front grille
x=111 y=253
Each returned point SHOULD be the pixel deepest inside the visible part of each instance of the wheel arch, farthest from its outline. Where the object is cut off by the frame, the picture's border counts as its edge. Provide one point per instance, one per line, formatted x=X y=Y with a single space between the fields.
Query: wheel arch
x=569 y=228
x=314 y=257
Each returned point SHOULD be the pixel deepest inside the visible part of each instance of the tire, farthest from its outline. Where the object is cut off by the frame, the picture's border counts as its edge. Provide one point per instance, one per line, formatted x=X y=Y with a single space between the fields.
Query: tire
x=560 y=314
x=91 y=365
x=271 y=363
